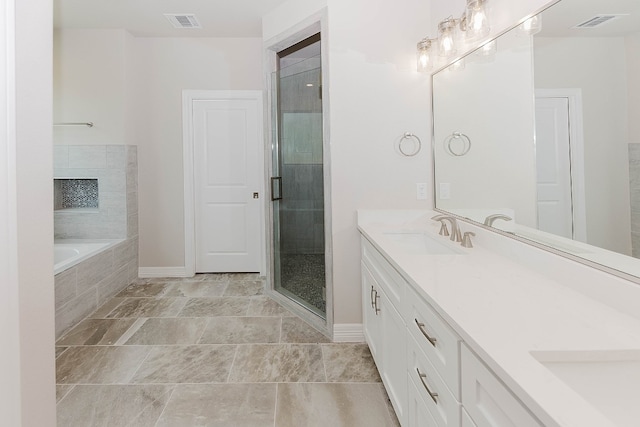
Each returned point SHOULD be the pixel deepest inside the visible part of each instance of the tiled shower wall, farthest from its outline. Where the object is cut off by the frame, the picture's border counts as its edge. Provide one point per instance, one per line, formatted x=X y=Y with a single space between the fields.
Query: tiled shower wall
x=634 y=189
x=87 y=285
x=115 y=167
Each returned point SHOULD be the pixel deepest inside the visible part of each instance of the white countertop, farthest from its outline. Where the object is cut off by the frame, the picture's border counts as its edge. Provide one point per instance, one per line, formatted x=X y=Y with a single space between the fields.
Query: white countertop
x=504 y=310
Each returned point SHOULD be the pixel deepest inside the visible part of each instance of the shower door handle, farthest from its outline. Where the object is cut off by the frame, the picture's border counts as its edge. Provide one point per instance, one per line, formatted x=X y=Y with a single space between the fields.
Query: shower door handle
x=276 y=190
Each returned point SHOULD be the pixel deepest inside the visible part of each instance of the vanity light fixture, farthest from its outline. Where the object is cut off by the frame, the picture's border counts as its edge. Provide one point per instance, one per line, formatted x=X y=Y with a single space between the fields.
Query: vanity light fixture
x=423 y=55
x=477 y=19
x=532 y=25
x=447 y=37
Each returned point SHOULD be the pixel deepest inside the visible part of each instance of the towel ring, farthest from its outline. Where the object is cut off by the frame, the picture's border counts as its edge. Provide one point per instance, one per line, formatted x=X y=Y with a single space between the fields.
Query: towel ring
x=418 y=143
x=466 y=144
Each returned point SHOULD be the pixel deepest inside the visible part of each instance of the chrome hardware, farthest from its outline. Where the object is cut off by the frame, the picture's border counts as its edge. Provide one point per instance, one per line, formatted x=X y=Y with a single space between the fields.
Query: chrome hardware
x=466 y=239
x=491 y=218
x=375 y=304
x=371 y=298
x=424 y=332
x=444 y=231
x=456 y=236
x=426 y=387
x=279 y=187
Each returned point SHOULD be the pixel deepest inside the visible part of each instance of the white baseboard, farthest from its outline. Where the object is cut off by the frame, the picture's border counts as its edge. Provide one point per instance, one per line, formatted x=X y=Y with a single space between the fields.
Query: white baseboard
x=348 y=332
x=146 y=272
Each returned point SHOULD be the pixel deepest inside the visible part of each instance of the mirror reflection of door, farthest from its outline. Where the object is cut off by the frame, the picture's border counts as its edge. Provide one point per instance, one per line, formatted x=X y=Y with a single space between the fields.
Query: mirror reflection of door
x=560 y=163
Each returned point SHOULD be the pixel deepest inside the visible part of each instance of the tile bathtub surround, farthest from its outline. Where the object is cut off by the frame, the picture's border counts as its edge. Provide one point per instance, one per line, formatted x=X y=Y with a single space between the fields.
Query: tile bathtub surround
x=211 y=350
x=115 y=168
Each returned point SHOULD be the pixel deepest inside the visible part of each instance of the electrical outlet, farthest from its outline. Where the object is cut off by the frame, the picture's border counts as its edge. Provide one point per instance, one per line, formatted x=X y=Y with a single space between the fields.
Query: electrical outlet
x=421 y=191
x=445 y=190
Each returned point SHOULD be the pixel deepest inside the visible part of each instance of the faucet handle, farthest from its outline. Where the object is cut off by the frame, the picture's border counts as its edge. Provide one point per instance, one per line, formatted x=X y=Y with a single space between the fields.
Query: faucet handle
x=466 y=239
x=444 y=231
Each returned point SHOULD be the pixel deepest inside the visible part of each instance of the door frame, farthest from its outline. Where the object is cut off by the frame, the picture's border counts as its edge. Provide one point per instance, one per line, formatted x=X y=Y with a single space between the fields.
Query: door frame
x=188 y=97
x=316 y=23
x=576 y=144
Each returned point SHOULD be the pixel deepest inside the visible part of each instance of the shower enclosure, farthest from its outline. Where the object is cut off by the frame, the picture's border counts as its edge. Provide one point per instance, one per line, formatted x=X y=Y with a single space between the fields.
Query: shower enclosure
x=297 y=182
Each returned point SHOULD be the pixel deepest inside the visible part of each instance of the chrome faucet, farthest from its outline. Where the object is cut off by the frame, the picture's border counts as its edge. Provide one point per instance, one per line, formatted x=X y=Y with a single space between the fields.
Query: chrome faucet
x=456 y=236
x=491 y=218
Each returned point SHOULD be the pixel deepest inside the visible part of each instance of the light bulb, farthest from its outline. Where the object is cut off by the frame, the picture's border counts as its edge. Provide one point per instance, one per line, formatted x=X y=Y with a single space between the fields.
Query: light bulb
x=446 y=37
x=424 y=62
x=477 y=19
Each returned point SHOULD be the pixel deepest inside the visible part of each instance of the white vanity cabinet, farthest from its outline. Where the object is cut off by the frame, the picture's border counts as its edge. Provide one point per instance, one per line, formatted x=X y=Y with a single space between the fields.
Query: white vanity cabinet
x=384 y=328
x=433 y=379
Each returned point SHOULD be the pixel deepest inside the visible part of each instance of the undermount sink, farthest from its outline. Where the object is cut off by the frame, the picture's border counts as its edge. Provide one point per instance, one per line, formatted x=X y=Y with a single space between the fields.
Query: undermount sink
x=422 y=243
x=608 y=380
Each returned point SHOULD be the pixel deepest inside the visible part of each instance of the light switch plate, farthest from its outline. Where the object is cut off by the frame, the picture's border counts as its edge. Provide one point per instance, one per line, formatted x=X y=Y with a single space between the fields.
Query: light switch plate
x=421 y=191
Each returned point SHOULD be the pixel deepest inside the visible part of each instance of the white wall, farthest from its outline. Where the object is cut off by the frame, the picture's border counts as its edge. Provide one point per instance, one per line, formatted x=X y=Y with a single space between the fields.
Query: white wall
x=89 y=86
x=131 y=88
x=27 y=377
x=162 y=68
x=586 y=63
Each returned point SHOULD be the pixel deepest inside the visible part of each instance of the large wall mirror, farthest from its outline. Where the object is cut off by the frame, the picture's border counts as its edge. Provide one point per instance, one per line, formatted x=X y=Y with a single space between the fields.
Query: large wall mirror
x=538 y=134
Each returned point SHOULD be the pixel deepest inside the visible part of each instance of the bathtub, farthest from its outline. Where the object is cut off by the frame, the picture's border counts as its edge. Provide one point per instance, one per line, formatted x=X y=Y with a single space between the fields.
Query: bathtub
x=67 y=253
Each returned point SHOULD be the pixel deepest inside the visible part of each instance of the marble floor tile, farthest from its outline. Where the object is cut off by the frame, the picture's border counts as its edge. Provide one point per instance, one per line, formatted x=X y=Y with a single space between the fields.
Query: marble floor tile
x=99 y=364
x=103 y=311
x=335 y=405
x=278 y=363
x=221 y=405
x=217 y=306
x=349 y=363
x=148 y=307
x=60 y=350
x=241 y=330
x=244 y=288
x=295 y=330
x=194 y=289
x=187 y=364
x=159 y=331
x=96 y=332
x=113 y=405
x=150 y=289
x=227 y=276
x=265 y=306
x=61 y=391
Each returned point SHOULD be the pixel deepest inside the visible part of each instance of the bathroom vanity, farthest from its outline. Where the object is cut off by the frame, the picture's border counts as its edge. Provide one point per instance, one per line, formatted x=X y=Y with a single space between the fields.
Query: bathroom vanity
x=501 y=334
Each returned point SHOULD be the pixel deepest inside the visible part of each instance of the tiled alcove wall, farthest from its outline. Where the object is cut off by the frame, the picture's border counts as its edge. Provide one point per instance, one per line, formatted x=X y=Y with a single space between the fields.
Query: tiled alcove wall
x=87 y=285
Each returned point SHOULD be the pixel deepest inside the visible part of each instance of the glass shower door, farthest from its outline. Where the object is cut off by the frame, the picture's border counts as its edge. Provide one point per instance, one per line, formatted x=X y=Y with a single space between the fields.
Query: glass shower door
x=297 y=184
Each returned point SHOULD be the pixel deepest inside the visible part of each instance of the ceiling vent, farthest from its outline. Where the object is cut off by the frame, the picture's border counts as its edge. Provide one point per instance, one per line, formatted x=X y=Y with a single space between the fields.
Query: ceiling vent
x=183 y=20
x=596 y=21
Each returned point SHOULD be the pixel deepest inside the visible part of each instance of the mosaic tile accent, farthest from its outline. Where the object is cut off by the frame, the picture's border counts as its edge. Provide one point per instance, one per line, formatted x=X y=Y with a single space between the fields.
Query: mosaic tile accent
x=76 y=193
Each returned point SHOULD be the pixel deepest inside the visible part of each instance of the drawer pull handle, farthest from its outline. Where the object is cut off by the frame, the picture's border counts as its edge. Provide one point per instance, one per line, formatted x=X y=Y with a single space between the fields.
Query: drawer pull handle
x=371 y=298
x=426 y=335
x=375 y=304
x=424 y=383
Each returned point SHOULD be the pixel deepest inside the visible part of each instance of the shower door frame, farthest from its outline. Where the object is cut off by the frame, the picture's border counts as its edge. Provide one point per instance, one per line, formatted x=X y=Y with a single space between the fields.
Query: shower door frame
x=314 y=24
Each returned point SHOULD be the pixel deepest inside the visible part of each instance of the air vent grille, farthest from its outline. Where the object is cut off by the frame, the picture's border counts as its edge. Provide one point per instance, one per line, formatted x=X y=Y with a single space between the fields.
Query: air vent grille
x=596 y=21
x=183 y=20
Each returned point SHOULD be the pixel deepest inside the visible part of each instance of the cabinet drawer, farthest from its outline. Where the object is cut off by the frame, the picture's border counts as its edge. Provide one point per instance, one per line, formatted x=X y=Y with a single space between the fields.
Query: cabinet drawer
x=391 y=281
x=418 y=412
x=436 y=339
x=487 y=400
x=441 y=403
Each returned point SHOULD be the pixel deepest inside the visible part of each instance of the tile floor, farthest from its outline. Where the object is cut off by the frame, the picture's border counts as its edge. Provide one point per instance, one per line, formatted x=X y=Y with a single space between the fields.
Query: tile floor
x=211 y=351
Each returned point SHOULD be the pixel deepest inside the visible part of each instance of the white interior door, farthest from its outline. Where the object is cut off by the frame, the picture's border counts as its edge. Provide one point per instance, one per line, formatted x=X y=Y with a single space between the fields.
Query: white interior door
x=227 y=142
x=553 y=166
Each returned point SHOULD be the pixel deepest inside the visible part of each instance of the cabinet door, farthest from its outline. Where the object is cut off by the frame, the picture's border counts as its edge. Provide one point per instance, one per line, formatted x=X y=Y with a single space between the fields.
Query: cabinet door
x=394 y=355
x=370 y=318
x=466 y=420
x=487 y=400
